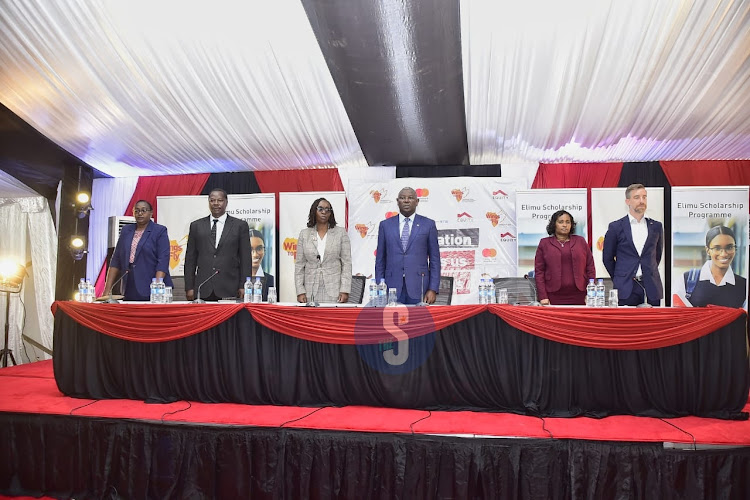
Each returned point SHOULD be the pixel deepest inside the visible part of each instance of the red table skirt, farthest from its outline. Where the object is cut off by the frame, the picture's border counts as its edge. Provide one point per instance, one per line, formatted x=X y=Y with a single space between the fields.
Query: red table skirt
x=606 y=328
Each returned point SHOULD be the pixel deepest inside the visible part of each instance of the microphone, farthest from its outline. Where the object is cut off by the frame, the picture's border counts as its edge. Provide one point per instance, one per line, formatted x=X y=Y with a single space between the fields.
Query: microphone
x=110 y=300
x=645 y=297
x=422 y=302
x=535 y=302
x=198 y=299
x=311 y=302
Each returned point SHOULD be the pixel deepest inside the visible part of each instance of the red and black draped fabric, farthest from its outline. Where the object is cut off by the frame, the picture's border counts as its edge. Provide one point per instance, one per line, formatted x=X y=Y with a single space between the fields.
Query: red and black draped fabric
x=607 y=328
x=476 y=359
x=707 y=173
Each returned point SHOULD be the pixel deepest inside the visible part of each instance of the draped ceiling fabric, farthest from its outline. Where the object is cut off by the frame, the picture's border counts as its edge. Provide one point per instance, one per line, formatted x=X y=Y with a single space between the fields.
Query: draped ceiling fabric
x=174 y=87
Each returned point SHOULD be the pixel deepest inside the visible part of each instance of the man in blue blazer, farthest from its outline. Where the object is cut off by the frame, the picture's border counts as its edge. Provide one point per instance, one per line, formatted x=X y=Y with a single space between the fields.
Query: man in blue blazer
x=632 y=251
x=408 y=255
x=147 y=258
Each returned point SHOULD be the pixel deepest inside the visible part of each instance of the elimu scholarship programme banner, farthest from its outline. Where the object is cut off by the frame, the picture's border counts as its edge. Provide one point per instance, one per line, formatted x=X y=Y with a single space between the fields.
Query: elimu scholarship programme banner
x=709 y=246
x=534 y=209
x=475 y=219
x=177 y=212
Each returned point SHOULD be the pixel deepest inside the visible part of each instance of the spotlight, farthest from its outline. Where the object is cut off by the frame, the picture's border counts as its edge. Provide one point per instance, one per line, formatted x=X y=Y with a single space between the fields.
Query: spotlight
x=77 y=247
x=83 y=204
x=11 y=276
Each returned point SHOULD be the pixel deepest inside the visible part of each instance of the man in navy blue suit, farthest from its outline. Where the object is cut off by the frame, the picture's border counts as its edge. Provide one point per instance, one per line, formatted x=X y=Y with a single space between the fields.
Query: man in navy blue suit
x=142 y=248
x=408 y=255
x=632 y=251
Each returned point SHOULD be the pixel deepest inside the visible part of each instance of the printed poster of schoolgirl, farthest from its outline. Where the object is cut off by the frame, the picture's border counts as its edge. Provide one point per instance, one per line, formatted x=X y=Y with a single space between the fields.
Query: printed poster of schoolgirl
x=709 y=246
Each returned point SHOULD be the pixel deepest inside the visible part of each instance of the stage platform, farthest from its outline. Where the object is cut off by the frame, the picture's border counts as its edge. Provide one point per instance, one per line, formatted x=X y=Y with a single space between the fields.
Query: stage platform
x=64 y=447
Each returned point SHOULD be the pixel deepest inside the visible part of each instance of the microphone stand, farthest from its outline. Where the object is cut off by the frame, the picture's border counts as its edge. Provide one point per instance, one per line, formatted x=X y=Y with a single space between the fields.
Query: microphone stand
x=311 y=302
x=111 y=300
x=645 y=296
x=198 y=299
x=422 y=303
x=535 y=302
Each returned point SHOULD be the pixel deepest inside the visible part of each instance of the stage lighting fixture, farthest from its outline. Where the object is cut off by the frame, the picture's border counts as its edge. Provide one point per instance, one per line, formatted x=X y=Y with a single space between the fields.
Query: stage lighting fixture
x=11 y=281
x=83 y=204
x=77 y=247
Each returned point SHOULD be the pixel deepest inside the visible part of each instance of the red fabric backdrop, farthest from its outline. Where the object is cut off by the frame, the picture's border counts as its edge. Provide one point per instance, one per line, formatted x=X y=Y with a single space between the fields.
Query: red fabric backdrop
x=707 y=173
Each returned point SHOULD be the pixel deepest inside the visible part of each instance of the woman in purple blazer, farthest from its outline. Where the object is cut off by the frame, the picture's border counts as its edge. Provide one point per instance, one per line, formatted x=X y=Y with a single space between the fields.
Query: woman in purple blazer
x=563 y=264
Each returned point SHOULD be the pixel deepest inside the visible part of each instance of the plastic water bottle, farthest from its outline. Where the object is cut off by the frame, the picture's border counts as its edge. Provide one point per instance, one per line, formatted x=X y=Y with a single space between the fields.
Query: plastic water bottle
x=161 y=291
x=482 y=291
x=373 y=293
x=248 y=296
x=600 y=293
x=257 y=291
x=153 y=292
x=82 y=290
x=591 y=294
x=382 y=293
x=90 y=292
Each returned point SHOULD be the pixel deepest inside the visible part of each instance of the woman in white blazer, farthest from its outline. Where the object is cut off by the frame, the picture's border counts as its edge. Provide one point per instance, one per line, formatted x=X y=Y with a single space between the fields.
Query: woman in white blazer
x=323 y=269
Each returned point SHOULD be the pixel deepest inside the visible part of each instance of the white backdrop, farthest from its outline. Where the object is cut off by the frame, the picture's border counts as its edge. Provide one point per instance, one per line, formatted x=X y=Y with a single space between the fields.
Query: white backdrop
x=294 y=209
x=177 y=212
x=533 y=211
x=605 y=208
x=475 y=218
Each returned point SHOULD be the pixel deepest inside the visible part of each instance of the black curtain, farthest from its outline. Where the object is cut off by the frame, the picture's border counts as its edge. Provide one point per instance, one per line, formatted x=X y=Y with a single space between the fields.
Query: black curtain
x=73 y=457
x=232 y=183
x=449 y=171
x=651 y=174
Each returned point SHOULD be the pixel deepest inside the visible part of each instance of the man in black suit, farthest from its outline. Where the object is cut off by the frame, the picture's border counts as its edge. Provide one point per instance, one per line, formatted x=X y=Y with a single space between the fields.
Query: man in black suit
x=221 y=243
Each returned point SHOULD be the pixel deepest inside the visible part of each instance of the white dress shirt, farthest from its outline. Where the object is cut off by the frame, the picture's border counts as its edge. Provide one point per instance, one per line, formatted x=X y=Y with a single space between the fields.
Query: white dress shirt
x=402 y=221
x=321 y=243
x=219 y=227
x=639 y=231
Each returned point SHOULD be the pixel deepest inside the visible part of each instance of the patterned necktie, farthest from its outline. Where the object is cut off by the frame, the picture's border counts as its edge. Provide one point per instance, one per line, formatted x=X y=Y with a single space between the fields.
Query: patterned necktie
x=405 y=234
x=213 y=232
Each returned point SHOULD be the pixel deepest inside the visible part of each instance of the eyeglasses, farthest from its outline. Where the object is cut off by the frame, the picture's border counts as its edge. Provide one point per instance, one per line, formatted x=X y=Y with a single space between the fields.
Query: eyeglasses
x=324 y=209
x=727 y=249
x=258 y=249
x=141 y=210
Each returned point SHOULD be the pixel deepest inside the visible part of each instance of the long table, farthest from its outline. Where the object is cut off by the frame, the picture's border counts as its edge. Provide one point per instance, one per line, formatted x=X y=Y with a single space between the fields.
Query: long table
x=538 y=361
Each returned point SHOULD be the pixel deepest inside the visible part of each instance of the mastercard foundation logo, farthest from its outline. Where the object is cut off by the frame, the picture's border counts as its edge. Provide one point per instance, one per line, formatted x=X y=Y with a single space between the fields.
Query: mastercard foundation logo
x=388 y=215
x=489 y=252
x=422 y=192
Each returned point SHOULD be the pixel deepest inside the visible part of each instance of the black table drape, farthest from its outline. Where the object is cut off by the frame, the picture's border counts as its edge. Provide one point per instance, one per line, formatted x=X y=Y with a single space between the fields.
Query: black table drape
x=480 y=363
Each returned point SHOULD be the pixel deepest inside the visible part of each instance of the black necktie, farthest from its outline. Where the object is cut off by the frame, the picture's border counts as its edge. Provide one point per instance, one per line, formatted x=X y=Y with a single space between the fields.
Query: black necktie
x=213 y=232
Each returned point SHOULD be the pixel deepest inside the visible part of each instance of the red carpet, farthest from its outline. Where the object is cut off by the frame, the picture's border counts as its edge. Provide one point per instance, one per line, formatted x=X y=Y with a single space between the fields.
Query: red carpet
x=31 y=388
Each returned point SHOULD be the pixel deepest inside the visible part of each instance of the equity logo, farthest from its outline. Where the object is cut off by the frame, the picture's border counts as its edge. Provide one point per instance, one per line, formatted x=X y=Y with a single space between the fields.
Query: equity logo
x=362 y=229
x=507 y=236
x=464 y=217
x=460 y=193
x=499 y=194
x=290 y=247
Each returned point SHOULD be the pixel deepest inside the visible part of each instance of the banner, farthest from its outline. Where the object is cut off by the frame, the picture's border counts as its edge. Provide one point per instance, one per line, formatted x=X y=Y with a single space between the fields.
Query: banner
x=709 y=246
x=607 y=205
x=475 y=218
x=534 y=209
x=177 y=212
x=294 y=210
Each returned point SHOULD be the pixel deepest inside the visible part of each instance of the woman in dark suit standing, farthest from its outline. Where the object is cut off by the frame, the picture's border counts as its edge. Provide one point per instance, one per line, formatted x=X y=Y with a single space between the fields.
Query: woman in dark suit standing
x=563 y=264
x=143 y=250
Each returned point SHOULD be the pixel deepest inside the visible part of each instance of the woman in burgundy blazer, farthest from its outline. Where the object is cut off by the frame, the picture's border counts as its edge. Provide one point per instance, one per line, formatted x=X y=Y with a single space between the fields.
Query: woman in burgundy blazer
x=563 y=264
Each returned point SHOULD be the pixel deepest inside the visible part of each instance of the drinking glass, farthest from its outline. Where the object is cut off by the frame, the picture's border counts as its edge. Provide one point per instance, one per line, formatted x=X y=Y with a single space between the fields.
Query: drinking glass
x=392 y=300
x=272 y=295
x=613 y=298
x=502 y=296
